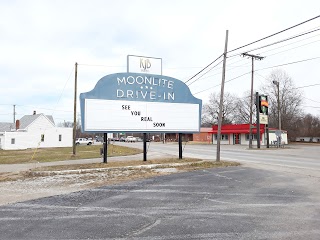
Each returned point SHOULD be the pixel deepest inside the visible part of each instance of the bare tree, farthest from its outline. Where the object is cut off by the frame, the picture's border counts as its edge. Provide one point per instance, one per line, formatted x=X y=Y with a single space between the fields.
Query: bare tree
x=309 y=126
x=210 y=111
x=290 y=101
x=242 y=113
x=66 y=124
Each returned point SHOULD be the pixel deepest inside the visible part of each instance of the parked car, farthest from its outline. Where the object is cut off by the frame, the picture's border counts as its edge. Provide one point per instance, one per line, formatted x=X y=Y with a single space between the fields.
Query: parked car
x=131 y=139
x=99 y=139
x=84 y=141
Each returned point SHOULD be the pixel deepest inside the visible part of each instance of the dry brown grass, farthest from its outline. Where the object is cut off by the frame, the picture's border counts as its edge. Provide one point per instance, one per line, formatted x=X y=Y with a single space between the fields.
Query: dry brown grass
x=166 y=161
x=59 y=154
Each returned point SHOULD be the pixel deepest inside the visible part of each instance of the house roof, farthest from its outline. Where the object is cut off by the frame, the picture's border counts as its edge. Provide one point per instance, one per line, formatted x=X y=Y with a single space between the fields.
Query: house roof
x=26 y=120
x=6 y=127
x=236 y=128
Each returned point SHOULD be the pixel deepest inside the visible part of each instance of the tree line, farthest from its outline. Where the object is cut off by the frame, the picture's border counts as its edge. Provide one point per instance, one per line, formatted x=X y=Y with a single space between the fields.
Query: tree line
x=236 y=110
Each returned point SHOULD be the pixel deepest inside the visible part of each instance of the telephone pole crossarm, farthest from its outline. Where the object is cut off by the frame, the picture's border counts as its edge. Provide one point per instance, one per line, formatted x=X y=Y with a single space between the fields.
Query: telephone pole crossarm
x=256 y=57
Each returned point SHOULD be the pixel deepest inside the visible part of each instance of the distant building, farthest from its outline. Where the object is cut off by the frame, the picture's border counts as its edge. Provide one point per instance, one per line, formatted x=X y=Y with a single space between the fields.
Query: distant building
x=205 y=135
x=232 y=134
x=308 y=139
x=32 y=131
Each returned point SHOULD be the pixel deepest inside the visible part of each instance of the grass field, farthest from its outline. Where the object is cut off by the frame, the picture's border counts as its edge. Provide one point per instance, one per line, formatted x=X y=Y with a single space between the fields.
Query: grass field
x=59 y=154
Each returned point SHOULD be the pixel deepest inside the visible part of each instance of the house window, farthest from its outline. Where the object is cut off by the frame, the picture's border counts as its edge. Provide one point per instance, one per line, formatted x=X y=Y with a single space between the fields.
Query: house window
x=223 y=137
x=13 y=141
x=60 y=137
x=42 y=137
x=254 y=137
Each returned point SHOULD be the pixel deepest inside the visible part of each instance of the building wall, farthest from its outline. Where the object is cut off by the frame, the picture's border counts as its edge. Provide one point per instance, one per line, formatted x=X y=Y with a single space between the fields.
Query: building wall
x=41 y=123
x=24 y=140
x=245 y=141
x=273 y=137
x=202 y=137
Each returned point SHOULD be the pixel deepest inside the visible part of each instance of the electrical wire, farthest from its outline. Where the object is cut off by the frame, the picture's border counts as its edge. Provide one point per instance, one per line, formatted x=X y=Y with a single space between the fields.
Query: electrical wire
x=274 y=34
x=261 y=70
x=284 y=40
x=285 y=64
x=205 y=73
x=204 y=68
x=271 y=44
x=99 y=65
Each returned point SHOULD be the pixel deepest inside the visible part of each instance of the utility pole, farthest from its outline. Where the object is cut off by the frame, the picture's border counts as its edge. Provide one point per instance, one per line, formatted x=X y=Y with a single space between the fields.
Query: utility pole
x=75 y=111
x=253 y=57
x=14 y=113
x=221 y=97
x=279 y=111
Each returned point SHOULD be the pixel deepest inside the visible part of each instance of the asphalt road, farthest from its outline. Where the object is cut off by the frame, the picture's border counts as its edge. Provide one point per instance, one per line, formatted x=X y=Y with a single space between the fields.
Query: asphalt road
x=246 y=202
x=303 y=159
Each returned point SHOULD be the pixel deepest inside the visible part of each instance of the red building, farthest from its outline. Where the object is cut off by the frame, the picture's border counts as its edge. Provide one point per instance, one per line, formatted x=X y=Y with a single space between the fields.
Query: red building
x=239 y=134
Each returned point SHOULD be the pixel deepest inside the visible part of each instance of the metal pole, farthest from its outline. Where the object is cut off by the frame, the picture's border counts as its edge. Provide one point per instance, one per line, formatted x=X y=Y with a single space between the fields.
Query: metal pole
x=144 y=147
x=180 y=145
x=14 y=113
x=279 y=113
x=221 y=97
x=105 y=148
x=267 y=130
x=75 y=111
x=258 y=120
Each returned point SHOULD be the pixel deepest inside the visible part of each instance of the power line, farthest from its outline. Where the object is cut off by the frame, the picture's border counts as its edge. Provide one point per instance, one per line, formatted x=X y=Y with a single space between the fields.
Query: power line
x=204 y=68
x=274 y=34
x=293 y=48
x=251 y=44
x=285 y=64
x=205 y=73
x=260 y=75
x=317 y=84
x=98 y=65
x=292 y=43
x=284 y=40
x=312 y=100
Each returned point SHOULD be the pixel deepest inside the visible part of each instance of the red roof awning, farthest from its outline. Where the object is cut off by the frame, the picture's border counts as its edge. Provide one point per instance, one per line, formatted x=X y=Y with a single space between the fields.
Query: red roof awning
x=236 y=128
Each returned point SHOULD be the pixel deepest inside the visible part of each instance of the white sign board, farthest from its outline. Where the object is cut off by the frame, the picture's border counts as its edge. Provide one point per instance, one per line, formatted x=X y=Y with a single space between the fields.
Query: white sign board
x=263 y=119
x=117 y=115
x=140 y=64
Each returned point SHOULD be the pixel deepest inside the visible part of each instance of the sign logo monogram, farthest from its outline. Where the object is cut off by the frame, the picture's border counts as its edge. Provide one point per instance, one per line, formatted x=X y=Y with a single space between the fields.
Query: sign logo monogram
x=145 y=64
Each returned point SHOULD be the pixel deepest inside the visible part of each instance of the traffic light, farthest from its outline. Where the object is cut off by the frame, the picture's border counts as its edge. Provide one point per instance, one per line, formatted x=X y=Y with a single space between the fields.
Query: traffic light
x=263 y=104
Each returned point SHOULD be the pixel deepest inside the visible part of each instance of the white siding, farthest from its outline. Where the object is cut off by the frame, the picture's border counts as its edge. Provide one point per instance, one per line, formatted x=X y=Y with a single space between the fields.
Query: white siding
x=263 y=142
x=42 y=123
x=24 y=140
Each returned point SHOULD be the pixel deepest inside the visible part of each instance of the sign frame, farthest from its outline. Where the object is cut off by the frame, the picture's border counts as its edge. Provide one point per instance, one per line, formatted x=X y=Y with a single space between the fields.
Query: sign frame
x=146 y=88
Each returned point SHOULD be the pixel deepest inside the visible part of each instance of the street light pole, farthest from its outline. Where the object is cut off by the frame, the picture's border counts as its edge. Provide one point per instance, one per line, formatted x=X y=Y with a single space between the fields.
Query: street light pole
x=279 y=112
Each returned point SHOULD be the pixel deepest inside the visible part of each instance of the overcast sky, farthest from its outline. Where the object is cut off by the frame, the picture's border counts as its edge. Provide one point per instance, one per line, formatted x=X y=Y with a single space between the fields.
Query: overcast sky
x=41 y=41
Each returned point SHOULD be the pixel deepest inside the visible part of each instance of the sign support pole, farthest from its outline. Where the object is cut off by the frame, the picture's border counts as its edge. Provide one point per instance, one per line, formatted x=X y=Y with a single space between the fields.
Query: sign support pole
x=180 y=145
x=105 y=147
x=144 y=146
x=258 y=119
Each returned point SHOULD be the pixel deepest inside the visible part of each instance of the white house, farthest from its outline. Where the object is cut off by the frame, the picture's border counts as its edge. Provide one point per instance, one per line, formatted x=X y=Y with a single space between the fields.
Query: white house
x=33 y=131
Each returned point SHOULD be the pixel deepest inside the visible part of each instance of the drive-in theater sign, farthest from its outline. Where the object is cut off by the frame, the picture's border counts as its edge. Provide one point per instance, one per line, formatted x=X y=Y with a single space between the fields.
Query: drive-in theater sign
x=140 y=102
